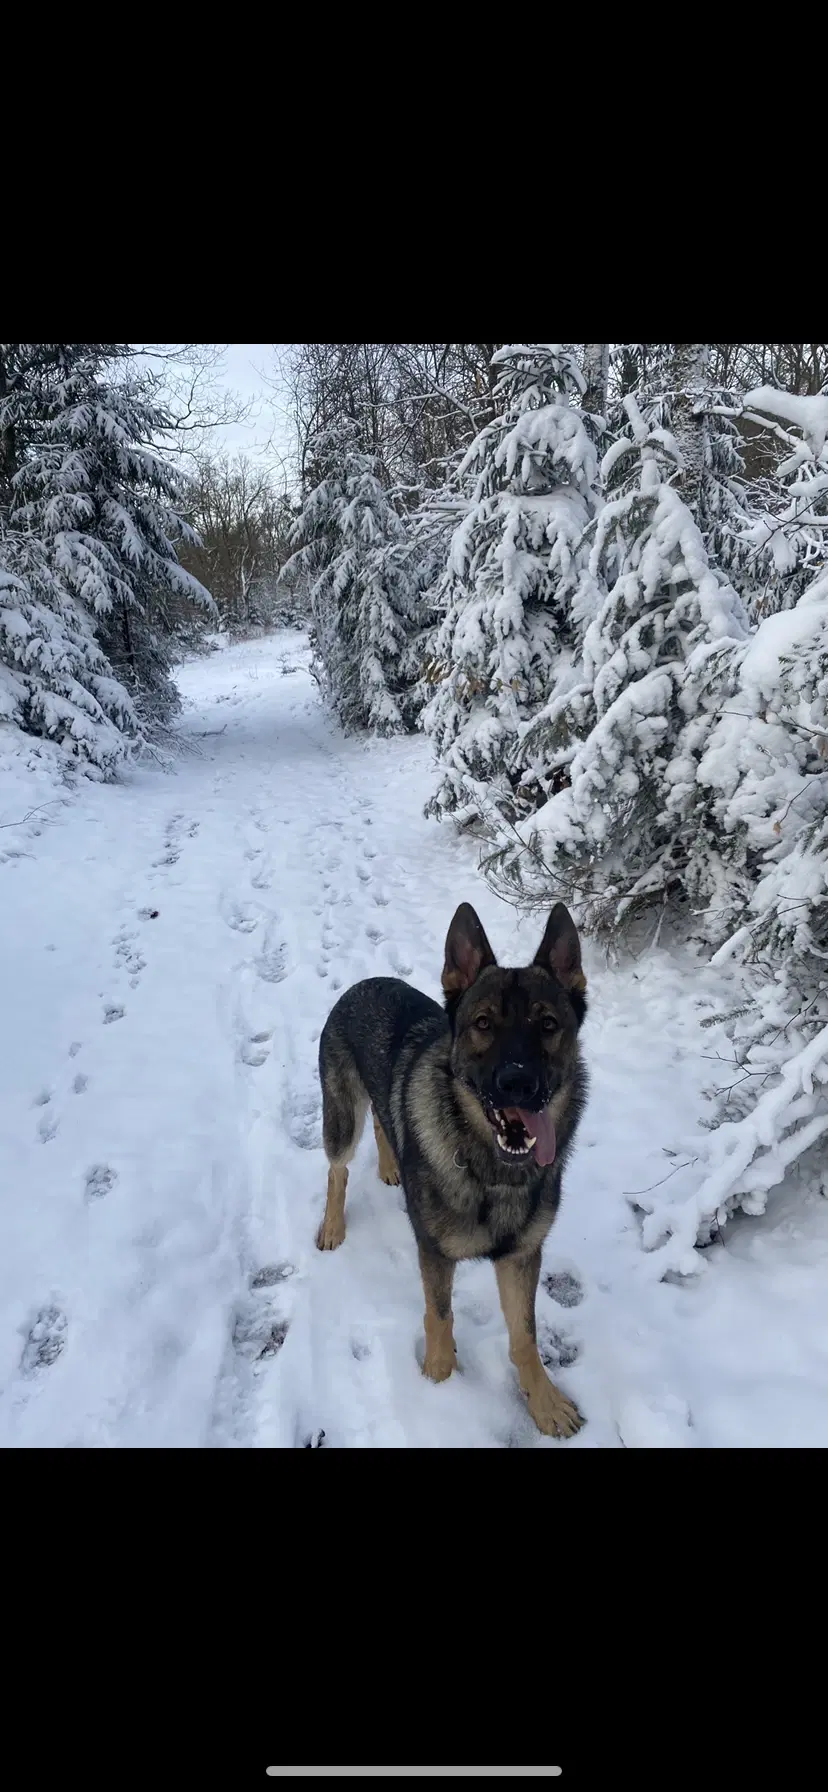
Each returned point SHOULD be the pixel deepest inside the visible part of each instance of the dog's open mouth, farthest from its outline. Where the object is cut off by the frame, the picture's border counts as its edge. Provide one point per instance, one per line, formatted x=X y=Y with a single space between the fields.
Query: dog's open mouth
x=519 y=1133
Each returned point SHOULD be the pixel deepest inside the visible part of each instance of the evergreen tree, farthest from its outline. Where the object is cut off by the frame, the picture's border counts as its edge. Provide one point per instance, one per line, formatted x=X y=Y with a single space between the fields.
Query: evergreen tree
x=506 y=642
x=91 y=512
x=694 y=419
x=763 y=755
x=54 y=678
x=782 y=541
x=622 y=835
x=350 y=542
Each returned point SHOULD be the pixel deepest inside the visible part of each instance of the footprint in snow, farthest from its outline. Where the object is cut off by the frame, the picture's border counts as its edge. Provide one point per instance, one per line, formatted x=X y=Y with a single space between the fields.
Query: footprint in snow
x=74 y=1048
x=127 y=956
x=304 y=1124
x=258 y=1335
x=363 y=874
x=99 y=1180
x=255 y=1050
x=241 y=917
x=41 y=1100
x=80 y=1083
x=557 y=1352
x=113 y=1011
x=47 y=1128
x=45 y=1342
x=271 y=1274
x=271 y=966
x=564 y=1288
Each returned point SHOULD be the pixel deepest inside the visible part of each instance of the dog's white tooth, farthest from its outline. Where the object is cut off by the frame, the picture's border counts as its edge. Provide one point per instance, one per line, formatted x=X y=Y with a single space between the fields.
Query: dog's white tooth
x=530 y=1143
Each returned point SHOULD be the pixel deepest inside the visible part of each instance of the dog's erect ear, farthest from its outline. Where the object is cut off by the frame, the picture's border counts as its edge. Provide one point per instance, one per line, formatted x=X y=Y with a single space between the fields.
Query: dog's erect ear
x=467 y=952
x=560 y=950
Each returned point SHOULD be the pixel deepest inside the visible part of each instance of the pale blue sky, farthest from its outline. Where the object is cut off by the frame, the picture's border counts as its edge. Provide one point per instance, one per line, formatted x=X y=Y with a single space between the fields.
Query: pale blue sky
x=249 y=368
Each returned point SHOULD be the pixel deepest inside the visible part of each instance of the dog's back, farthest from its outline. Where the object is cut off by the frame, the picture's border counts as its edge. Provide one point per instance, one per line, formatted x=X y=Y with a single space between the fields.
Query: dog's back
x=375 y=1027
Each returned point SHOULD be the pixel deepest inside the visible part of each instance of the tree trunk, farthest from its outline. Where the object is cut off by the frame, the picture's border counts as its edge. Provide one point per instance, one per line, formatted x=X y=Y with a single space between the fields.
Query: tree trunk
x=689 y=381
x=596 y=373
x=8 y=446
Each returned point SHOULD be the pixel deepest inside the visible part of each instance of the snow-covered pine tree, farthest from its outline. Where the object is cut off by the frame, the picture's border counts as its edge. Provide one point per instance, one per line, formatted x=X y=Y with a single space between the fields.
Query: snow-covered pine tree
x=623 y=834
x=83 y=479
x=424 y=553
x=761 y=863
x=507 y=640
x=54 y=679
x=673 y=388
x=763 y=754
x=751 y=771
x=349 y=542
x=781 y=544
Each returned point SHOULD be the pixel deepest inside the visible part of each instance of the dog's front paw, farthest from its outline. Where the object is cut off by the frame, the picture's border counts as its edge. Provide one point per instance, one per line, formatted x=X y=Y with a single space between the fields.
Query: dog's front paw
x=439 y=1363
x=391 y=1177
x=553 y=1414
x=331 y=1234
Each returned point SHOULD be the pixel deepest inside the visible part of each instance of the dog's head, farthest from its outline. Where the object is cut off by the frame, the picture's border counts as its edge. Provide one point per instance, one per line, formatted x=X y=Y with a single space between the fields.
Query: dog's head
x=515 y=1033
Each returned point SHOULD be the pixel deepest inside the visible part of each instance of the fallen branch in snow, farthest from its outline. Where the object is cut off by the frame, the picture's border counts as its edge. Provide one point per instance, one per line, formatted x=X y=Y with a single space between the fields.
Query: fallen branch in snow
x=747 y=1159
x=208 y=733
x=29 y=814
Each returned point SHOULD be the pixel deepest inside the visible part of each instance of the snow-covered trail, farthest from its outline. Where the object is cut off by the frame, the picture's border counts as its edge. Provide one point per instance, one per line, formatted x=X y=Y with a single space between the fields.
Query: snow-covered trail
x=171 y=949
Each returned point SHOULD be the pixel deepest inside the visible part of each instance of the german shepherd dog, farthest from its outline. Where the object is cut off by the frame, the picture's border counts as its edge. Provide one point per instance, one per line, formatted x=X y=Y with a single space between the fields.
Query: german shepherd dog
x=475 y=1109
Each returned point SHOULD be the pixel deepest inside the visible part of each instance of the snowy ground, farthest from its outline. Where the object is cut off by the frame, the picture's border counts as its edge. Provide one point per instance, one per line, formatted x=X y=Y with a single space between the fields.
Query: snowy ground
x=170 y=950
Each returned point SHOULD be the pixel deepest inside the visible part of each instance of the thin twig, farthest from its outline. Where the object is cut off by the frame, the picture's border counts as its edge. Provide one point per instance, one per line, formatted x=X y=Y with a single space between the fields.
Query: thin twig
x=821 y=733
x=631 y=1193
x=28 y=817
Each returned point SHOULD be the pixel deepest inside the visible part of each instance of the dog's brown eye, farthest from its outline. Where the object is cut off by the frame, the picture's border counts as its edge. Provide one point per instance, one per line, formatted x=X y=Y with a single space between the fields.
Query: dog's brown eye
x=549 y=1024
x=483 y=1023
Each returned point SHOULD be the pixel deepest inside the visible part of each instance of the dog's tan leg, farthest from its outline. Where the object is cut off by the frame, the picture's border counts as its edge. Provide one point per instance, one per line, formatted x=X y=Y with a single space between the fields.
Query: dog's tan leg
x=386 y=1161
x=332 y=1230
x=440 y=1353
x=517 y=1283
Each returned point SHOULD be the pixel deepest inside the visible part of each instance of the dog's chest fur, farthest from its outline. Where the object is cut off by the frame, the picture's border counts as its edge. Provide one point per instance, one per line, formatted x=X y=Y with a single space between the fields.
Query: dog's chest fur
x=456 y=1191
x=490 y=1221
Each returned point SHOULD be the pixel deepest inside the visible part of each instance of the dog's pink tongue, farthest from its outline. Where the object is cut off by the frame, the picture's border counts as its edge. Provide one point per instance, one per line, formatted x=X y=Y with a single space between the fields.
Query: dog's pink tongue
x=539 y=1127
